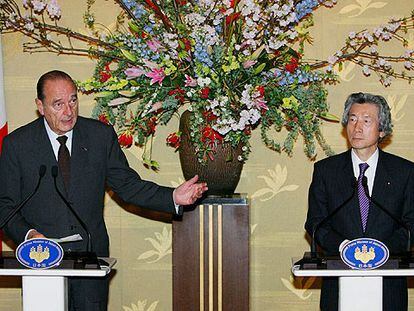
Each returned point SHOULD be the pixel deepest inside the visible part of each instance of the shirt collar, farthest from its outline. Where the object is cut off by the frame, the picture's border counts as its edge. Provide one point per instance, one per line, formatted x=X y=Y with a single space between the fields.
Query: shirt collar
x=372 y=161
x=52 y=135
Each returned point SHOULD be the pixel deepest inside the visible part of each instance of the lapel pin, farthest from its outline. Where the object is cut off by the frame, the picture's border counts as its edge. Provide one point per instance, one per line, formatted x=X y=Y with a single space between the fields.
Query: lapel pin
x=84 y=148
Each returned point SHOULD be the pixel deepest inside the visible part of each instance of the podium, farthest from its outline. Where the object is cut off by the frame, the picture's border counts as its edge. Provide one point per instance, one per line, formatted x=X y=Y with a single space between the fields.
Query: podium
x=211 y=256
x=359 y=290
x=46 y=290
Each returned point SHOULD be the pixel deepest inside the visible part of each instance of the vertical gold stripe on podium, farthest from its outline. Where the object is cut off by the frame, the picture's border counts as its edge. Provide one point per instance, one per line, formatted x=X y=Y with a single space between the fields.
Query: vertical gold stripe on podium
x=220 y=257
x=210 y=259
x=201 y=226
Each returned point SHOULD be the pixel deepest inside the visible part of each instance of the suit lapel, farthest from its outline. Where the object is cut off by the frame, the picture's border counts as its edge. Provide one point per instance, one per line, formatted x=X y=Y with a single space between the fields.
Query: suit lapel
x=42 y=146
x=79 y=156
x=380 y=191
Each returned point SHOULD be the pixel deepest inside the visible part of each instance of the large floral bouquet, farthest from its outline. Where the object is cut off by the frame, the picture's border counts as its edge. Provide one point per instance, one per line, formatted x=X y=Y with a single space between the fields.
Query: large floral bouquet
x=236 y=65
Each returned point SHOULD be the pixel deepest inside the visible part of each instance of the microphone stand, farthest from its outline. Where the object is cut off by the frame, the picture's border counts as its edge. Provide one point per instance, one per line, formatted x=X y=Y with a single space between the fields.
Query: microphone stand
x=402 y=224
x=86 y=259
x=312 y=260
x=42 y=172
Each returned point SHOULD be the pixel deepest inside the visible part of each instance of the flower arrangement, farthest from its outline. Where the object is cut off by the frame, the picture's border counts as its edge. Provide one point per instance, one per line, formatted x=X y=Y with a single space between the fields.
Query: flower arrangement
x=236 y=65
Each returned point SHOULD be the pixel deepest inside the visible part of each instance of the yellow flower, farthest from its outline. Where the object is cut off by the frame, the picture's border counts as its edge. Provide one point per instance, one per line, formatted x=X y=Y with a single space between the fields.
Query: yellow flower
x=234 y=64
x=290 y=102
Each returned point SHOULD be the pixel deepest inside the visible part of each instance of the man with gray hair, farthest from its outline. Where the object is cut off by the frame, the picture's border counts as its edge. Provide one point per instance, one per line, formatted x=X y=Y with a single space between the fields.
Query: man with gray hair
x=390 y=180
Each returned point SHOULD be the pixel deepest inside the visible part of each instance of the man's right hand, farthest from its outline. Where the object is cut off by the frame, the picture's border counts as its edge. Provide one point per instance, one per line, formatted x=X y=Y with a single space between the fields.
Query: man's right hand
x=33 y=234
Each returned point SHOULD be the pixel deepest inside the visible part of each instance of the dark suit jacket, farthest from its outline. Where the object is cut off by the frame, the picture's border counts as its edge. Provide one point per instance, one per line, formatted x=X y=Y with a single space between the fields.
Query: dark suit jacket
x=96 y=161
x=332 y=184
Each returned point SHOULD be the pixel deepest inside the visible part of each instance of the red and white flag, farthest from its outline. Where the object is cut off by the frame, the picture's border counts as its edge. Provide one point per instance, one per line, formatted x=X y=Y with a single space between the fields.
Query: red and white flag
x=3 y=119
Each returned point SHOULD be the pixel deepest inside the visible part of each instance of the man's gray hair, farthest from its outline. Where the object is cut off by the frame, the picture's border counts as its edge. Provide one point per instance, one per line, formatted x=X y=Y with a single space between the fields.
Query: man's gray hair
x=384 y=112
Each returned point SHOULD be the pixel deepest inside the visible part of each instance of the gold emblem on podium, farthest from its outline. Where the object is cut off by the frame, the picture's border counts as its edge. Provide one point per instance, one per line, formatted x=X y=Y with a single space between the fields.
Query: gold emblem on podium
x=39 y=254
x=364 y=255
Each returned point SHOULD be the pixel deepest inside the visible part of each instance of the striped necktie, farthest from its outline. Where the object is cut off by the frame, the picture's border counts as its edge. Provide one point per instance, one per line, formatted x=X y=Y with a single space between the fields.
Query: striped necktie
x=362 y=196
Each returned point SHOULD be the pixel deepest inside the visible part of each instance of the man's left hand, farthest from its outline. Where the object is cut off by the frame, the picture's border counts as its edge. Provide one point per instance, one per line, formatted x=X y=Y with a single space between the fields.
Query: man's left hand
x=188 y=192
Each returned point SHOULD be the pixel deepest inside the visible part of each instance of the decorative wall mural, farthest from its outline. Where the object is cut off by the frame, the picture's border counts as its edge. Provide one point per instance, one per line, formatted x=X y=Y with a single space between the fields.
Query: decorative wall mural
x=361 y=6
x=162 y=246
x=275 y=181
x=141 y=306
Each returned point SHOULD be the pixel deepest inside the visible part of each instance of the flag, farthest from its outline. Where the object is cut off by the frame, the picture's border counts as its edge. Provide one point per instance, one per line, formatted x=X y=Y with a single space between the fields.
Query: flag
x=3 y=119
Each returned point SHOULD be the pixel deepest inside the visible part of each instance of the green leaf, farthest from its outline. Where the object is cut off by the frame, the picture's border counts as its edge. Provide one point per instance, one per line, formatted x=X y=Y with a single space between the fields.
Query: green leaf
x=129 y=55
x=155 y=165
x=134 y=27
x=259 y=68
x=329 y=117
x=126 y=93
x=257 y=53
x=103 y=94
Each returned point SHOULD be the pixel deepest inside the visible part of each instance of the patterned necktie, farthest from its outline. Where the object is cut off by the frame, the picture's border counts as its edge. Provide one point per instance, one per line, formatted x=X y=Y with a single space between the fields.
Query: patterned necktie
x=362 y=196
x=64 y=160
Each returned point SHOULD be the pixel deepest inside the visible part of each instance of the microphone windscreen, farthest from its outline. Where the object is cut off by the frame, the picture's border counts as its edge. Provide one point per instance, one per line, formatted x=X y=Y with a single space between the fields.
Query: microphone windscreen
x=54 y=171
x=42 y=170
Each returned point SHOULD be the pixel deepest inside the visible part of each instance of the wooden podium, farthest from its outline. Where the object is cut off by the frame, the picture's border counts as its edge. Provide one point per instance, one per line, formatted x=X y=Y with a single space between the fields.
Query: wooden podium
x=211 y=256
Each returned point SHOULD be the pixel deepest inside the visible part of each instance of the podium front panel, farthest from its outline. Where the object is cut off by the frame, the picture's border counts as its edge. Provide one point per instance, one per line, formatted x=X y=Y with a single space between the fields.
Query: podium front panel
x=46 y=293
x=211 y=256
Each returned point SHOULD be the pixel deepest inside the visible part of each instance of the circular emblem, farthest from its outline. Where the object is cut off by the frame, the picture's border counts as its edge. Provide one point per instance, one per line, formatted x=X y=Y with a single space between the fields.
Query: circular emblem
x=39 y=253
x=364 y=254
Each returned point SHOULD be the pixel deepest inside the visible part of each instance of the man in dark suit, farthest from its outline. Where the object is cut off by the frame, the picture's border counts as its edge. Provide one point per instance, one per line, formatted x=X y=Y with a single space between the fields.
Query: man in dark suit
x=92 y=159
x=367 y=120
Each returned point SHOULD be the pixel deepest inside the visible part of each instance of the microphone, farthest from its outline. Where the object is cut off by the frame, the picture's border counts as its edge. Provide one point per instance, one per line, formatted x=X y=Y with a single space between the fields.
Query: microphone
x=42 y=172
x=323 y=221
x=69 y=206
x=311 y=260
x=393 y=217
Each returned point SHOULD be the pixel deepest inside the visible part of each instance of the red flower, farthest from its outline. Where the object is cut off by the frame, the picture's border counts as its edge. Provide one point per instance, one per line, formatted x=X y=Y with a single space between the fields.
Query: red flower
x=179 y=94
x=261 y=90
x=151 y=125
x=105 y=74
x=181 y=2
x=125 y=139
x=209 y=116
x=204 y=92
x=292 y=65
x=103 y=118
x=159 y=13
x=174 y=139
x=151 y=5
x=232 y=17
x=187 y=44
x=209 y=134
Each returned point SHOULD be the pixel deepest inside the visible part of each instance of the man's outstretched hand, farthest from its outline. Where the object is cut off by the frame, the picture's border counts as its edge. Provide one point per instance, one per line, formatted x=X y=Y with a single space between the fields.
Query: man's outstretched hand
x=188 y=192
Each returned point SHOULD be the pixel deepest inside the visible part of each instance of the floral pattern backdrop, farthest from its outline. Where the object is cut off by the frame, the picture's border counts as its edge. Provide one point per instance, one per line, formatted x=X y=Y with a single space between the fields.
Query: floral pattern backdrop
x=276 y=184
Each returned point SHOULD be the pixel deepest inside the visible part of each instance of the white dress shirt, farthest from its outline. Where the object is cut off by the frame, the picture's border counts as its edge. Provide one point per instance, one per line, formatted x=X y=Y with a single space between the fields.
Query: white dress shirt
x=370 y=172
x=53 y=139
